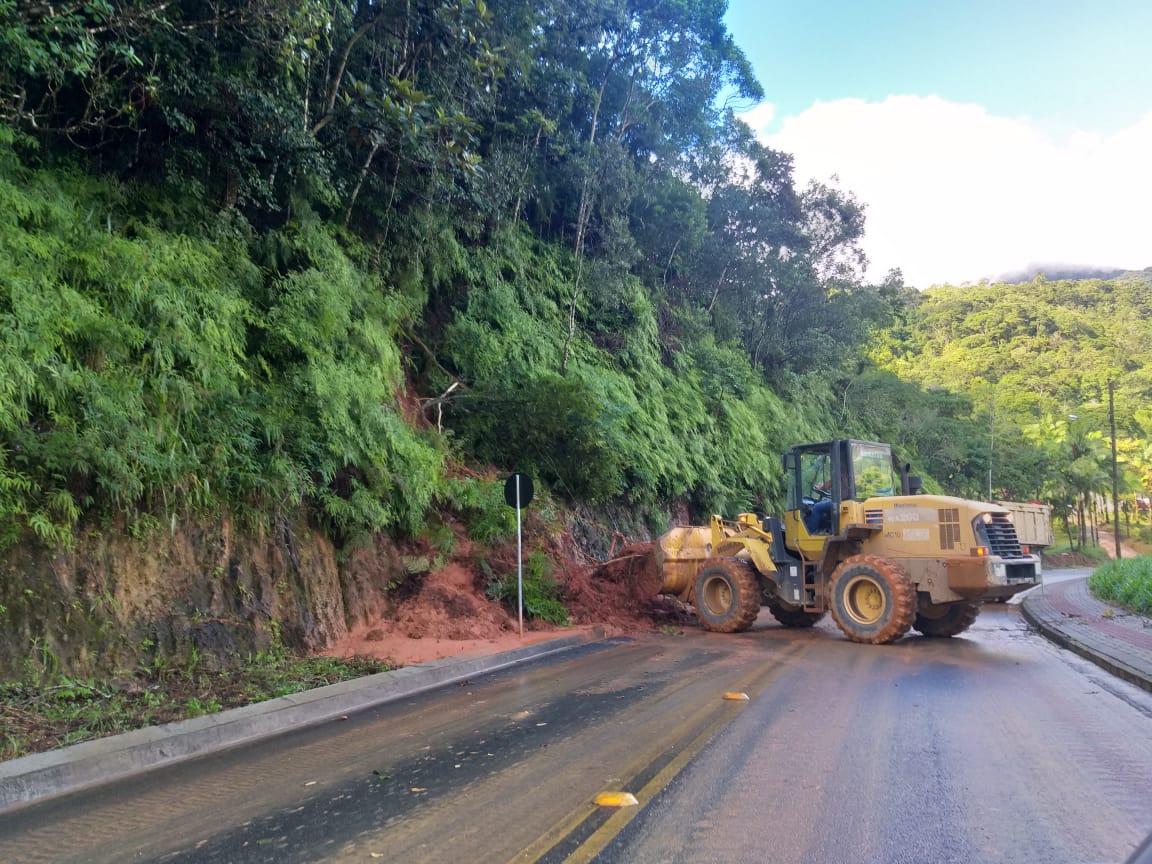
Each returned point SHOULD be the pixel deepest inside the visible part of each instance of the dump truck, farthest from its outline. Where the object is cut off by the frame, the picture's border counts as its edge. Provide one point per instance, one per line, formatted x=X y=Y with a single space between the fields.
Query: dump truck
x=1033 y=523
x=858 y=539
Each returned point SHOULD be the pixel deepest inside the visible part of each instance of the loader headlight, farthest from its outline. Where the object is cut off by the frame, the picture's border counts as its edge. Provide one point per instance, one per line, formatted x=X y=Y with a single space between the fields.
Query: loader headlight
x=986 y=518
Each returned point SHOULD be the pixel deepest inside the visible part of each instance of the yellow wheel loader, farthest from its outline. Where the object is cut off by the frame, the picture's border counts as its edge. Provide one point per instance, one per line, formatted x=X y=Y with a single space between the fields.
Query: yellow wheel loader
x=858 y=540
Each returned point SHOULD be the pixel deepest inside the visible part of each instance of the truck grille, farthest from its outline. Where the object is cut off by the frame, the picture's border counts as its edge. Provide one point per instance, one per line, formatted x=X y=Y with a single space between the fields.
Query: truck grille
x=1001 y=536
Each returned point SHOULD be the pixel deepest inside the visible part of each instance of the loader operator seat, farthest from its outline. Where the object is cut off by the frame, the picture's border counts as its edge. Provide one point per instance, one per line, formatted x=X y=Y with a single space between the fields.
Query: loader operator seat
x=818 y=520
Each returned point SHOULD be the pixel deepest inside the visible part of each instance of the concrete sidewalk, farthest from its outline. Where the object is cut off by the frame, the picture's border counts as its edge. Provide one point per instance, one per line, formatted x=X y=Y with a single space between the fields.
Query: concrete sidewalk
x=1117 y=640
x=93 y=762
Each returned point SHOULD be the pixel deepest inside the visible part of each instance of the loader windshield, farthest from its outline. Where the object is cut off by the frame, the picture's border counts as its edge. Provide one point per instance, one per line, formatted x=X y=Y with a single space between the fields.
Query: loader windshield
x=872 y=468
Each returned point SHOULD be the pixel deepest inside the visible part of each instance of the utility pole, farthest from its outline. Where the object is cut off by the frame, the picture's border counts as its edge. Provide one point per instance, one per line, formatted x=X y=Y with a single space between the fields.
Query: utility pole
x=1115 y=481
x=991 y=443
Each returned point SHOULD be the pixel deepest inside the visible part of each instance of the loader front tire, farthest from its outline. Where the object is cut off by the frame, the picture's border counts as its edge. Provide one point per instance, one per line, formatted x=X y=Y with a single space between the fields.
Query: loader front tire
x=727 y=595
x=946 y=619
x=872 y=599
x=790 y=616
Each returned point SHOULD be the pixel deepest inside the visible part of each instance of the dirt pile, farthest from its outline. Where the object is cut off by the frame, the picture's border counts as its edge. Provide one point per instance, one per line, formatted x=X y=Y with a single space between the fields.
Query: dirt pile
x=446 y=612
x=623 y=592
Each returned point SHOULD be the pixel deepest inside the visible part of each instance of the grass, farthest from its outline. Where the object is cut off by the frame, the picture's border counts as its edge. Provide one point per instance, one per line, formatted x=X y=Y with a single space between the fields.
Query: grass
x=1141 y=537
x=1060 y=554
x=1126 y=583
x=47 y=709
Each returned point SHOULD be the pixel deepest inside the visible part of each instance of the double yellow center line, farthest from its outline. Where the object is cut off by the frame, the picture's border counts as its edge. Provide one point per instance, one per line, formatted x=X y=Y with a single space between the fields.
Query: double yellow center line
x=583 y=834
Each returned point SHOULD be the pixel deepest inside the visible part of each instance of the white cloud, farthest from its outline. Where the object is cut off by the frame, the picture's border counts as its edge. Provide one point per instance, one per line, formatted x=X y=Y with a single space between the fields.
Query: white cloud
x=955 y=194
x=760 y=117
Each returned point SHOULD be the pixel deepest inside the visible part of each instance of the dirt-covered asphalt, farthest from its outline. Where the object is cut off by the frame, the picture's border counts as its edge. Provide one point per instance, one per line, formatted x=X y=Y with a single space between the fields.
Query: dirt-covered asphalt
x=993 y=747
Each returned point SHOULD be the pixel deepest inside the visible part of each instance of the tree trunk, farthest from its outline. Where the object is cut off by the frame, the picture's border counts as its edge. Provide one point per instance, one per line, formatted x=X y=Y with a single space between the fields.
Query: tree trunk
x=360 y=182
x=582 y=217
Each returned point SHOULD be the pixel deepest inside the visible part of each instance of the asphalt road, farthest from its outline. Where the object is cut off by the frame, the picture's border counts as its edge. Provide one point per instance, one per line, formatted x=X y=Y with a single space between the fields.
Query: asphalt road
x=1050 y=578
x=1063 y=575
x=993 y=747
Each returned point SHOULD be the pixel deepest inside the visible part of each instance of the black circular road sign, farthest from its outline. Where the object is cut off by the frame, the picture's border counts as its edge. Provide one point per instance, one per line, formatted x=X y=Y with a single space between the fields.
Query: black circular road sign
x=525 y=489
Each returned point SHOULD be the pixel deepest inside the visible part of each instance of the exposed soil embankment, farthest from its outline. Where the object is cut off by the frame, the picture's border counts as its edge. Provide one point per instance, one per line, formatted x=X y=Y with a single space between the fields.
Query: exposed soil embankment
x=215 y=594
x=205 y=593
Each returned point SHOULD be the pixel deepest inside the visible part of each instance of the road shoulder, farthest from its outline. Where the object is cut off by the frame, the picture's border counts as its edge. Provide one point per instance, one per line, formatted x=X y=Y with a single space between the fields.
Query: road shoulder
x=1068 y=615
x=40 y=775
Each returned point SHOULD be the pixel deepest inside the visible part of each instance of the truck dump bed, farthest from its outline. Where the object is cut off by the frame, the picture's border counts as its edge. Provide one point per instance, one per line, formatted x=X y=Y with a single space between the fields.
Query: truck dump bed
x=1033 y=523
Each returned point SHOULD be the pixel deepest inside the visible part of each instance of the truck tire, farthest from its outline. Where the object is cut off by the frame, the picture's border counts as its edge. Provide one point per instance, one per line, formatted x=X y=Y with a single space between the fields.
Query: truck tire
x=727 y=595
x=872 y=599
x=790 y=616
x=946 y=619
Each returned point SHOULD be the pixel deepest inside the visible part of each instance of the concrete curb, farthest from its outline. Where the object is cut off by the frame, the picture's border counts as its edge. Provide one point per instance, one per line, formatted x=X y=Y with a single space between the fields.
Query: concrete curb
x=1065 y=640
x=68 y=769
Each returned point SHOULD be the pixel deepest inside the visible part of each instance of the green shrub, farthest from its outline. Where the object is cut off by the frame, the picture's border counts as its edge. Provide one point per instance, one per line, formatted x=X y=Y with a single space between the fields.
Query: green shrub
x=637 y=416
x=481 y=504
x=1126 y=582
x=123 y=352
x=551 y=427
x=542 y=594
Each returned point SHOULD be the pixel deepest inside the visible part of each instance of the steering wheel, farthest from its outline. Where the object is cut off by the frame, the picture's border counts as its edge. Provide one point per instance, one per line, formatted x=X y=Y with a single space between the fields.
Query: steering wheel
x=820 y=494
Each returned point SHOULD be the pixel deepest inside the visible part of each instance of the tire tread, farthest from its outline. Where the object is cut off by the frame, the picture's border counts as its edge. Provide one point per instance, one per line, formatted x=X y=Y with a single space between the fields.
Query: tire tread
x=746 y=583
x=949 y=625
x=903 y=592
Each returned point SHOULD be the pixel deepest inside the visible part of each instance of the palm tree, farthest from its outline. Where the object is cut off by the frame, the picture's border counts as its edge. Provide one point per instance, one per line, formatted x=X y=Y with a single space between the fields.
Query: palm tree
x=1073 y=469
x=1086 y=470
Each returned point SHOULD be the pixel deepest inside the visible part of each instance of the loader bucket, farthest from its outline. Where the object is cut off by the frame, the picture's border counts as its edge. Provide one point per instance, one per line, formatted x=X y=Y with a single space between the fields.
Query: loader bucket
x=679 y=554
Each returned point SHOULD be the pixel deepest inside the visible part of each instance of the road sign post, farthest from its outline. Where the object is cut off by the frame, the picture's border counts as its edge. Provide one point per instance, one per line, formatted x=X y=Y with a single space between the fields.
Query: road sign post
x=518 y=494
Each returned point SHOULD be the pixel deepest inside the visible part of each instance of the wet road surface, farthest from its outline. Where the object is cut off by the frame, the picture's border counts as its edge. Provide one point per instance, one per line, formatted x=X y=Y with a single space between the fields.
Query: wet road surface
x=992 y=747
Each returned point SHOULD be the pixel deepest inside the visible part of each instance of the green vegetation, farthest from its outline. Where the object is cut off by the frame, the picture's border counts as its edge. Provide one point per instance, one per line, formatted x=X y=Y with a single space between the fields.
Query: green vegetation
x=1143 y=537
x=150 y=371
x=1062 y=546
x=539 y=222
x=1014 y=380
x=47 y=709
x=542 y=594
x=1126 y=582
x=334 y=263
x=535 y=232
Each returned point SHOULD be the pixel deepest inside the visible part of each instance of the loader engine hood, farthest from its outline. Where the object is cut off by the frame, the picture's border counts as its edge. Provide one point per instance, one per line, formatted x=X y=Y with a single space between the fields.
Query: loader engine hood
x=943 y=525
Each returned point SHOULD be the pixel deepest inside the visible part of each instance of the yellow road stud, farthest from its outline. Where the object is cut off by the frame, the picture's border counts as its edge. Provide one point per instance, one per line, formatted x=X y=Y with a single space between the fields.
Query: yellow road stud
x=736 y=697
x=616 y=799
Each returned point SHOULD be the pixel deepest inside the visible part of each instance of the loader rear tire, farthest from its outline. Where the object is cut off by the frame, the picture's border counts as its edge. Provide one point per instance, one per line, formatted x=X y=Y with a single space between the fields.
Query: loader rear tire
x=872 y=599
x=790 y=616
x=727 y=595
x=946 y=619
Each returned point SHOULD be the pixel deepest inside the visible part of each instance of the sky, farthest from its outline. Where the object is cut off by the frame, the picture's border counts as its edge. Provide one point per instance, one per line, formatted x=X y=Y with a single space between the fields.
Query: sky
x=983 y=136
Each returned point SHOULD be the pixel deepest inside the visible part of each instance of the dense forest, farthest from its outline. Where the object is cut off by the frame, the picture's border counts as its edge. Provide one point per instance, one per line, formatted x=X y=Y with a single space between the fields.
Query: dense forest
x=1017 y=387
x=263 y=257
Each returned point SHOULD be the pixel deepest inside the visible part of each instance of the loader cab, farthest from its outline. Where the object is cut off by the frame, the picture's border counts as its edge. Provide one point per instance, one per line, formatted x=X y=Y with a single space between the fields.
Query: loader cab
x=826 y=482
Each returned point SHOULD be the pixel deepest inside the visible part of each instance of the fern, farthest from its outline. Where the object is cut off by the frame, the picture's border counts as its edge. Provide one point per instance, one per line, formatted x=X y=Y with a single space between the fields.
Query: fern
x=144 y=368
